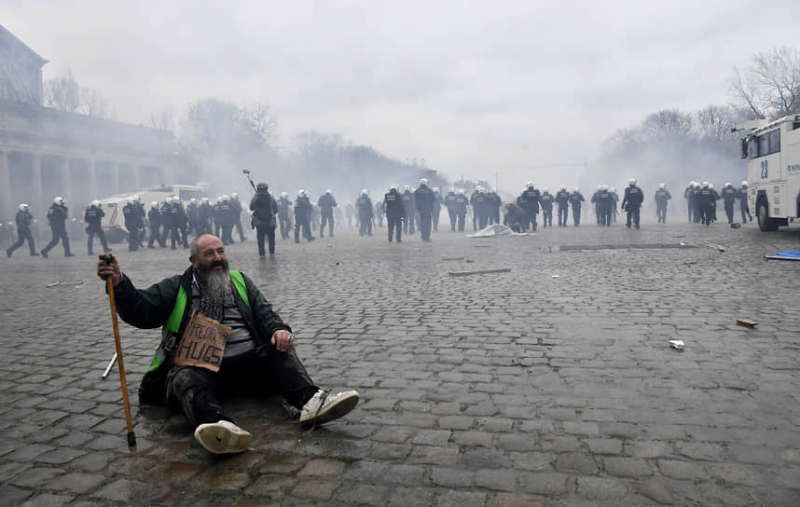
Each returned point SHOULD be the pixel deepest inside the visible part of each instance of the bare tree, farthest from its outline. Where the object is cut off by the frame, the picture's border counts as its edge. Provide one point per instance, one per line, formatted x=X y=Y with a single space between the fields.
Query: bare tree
x=163 y=120
x=64 y=93
x=261 y=122
x=667 y=123
x=769 y=87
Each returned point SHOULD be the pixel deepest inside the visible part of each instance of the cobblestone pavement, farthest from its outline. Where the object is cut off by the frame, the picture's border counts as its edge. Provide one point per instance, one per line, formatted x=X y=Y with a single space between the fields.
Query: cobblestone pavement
x=510 y=389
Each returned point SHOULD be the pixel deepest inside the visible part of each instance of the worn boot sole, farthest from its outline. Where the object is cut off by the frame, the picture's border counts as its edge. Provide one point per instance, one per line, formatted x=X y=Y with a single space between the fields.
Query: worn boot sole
x=219 y=439
x=339 y=408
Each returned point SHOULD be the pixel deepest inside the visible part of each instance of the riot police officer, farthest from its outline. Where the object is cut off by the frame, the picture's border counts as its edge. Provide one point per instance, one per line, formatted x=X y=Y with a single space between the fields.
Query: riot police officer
x=495 y=203
x=364 y=207
x=562 y=200
x=411 y=211
x=437 y=208
x=284 y=215
x=57 y=216
x=424 y=201
x=632 y=203
x=605 y=204
x=264 y=208
x=302 y=216
x=450 y=204
x=576 y=199
x=705 y=200
x=131 y=213
x=546 y=202
x=744 y=207
x=689 y=195
x=23 y=219
x=662 y=197
x=395 y=211
x=156 y=220
x=529 y=201
x=94 y=218
x=237 y=215
x=728 y=200
x=460 y=204
x=326 y=204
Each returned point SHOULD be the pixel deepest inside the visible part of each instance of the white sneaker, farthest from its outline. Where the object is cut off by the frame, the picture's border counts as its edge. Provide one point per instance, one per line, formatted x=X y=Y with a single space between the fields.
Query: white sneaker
x=324 y=407
x=222 y=437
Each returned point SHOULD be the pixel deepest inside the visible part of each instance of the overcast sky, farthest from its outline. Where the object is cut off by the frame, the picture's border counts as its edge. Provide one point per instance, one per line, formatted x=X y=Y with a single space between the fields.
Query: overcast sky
x=475 y=88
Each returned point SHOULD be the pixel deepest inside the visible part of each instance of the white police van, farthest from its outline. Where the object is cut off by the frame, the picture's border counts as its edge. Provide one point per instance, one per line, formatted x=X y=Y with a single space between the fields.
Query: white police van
x=773 y=171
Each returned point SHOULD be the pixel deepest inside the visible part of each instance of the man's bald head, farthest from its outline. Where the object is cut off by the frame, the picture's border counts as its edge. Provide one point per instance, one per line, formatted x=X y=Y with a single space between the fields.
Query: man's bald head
x=207 y=252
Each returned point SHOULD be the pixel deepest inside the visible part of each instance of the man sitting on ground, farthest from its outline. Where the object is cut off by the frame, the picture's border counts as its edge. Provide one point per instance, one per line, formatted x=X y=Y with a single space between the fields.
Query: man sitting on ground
x=218 y=330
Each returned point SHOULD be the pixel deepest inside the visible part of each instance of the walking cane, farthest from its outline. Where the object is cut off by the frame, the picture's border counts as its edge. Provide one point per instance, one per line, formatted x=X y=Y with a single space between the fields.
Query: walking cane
x=110 y=285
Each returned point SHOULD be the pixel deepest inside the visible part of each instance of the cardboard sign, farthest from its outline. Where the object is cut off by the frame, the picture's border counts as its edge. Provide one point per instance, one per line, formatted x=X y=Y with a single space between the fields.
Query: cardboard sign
x=202 y=343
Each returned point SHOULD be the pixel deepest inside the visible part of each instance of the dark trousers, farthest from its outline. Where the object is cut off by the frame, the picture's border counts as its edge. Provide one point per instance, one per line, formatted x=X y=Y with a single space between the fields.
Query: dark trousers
x=576 y=216
x=661 y=212
x=395 y=224
x=306 y=230
x=483 y=219
x=327 y=219
x=453 y=220
x=462 y=216
x=706 y=214
x=425 y=222
x=286 y=226
x=227 y=233
x=729 y=212
x=531 y=218
x=22 y=235
x=745 y=209
x=239 y=230
x=266 y=371
x=155 y=235
x=547 y=217
x=563 y=213
x=633 y=216
x=604 y=214
x=133 y=236
x=365 y=224
x=59 y=234
x=100 y=234
x=263 y=231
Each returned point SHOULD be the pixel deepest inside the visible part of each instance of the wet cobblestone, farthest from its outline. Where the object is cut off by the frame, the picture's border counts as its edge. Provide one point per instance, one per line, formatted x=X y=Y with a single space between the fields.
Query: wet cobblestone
x=507 y=389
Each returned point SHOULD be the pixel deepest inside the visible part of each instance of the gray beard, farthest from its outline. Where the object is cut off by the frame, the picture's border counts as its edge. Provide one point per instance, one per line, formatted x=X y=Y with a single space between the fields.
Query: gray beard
x=218 y=285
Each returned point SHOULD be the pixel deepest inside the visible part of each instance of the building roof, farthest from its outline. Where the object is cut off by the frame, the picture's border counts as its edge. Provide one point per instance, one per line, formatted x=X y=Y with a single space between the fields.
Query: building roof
x=9 y=39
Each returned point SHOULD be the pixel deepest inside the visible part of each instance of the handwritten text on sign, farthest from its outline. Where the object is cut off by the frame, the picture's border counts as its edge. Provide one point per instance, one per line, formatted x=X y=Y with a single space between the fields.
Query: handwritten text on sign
x=202 y=343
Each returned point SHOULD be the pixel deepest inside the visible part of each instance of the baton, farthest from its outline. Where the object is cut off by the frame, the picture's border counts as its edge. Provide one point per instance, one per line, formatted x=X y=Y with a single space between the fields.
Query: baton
x=110 y=286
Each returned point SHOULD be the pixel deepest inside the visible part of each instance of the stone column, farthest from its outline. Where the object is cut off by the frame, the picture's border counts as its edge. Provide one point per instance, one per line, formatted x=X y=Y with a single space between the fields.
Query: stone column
x=66 y=189
x=8 y=206
x=92 y=180
x=42 y=202
x=114 y=178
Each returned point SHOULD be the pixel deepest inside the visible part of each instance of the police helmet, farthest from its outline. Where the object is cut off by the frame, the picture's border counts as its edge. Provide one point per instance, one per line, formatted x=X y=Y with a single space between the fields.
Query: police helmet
x=96 y=203
x=301 y=192
x=23 y=206
x=563 y=187
x=262 y=188
x=393 y=187
x=744 y=183
x=226 y=197
x=611 y=189
x=204 y=200
x=603 y=187
x=481 y=190
x=576 y=189
x=58 y=200
x=460 y=191
x=423 y=181
x=218 y=199
x=154 y=204
x=728 y=185
x=546 y=190
x=662 y=186
x=631 y=182
x=435 y=189
x=711 y=186
x=705 y=184
x=329 y=192
x=131 y=201
x=407 y=187
x=529 y=184
x=364 y=191
x=136 y=198
x=284 y=194
x=234 y=195
x=451 y=190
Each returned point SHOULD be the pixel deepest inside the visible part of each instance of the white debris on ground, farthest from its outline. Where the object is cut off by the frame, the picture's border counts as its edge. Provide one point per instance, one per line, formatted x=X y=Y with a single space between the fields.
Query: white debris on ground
x=496 y=231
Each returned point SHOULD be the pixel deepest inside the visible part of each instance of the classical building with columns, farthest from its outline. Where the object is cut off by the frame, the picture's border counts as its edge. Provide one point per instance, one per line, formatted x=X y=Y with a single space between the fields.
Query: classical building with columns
x=45 y=152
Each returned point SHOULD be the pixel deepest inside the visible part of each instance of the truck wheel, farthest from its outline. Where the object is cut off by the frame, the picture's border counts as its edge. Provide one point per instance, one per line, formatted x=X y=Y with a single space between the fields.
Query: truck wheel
x=765 y=223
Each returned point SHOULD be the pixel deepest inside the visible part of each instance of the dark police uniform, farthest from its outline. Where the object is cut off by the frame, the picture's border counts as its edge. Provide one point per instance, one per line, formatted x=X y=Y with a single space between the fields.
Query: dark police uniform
x=395 y=211
x=57 y=216
x=662 y=197
x=632 y=203
x=93 y=218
